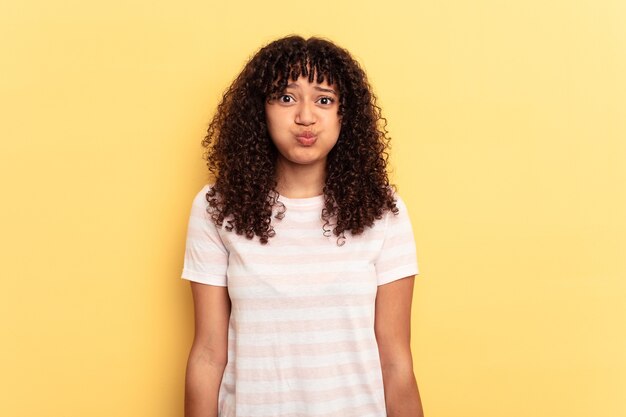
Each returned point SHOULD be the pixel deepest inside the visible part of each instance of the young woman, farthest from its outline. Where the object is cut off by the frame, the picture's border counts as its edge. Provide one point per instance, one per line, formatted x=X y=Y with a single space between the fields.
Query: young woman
x=300 y=255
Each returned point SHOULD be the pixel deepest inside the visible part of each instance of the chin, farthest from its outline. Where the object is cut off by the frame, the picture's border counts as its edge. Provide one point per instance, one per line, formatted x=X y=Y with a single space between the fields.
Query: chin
x=305 y=160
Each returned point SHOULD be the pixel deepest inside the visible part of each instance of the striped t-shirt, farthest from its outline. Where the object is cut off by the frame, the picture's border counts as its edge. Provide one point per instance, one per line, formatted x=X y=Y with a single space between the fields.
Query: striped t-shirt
x=301 y=339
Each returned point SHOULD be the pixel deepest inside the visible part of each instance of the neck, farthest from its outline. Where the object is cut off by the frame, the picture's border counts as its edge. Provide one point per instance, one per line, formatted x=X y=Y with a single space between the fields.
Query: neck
x=300 y=181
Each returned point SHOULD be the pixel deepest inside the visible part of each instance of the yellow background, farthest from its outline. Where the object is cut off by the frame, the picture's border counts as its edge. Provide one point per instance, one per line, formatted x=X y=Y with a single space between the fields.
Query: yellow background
x=508 y=121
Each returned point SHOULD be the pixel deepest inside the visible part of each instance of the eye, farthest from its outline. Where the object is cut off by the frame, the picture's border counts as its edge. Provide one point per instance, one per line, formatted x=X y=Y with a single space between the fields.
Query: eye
x=285 y=98
x=326 y=100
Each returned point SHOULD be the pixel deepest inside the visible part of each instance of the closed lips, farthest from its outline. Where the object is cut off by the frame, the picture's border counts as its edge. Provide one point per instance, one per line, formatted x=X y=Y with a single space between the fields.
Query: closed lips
x=307 y=139
x=306 y=135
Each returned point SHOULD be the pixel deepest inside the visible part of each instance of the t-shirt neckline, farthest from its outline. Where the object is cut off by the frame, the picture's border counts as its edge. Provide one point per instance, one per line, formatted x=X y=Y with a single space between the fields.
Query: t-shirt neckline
x=317 y=200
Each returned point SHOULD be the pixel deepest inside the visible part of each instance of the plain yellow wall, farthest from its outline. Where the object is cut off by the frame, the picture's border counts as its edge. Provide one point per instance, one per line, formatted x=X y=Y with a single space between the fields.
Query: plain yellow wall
x=508 y=121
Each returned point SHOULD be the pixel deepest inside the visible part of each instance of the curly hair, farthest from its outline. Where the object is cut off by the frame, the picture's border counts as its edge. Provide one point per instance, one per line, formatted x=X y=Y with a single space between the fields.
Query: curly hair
x=241 y=156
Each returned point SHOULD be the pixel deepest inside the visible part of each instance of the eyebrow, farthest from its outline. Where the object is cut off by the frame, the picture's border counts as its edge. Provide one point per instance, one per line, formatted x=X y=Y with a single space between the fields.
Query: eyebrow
x=325 y=90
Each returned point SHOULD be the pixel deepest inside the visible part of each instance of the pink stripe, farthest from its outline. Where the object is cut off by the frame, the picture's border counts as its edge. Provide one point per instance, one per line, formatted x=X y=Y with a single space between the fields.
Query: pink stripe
x=393 y=263
x=302 y=373
x=297 y=326
x=305 y=349
x=307 y=226
x=299 y=279
x=310 y=397
x=204 y=258
x=399 y=239
x=366 y=410
x=281 y=241
x=283 y=303
x=197 y=234
x=254 y=259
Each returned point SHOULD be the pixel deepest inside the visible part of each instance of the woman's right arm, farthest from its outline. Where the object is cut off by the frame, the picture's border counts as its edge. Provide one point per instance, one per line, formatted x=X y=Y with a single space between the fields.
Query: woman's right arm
x=209 y=351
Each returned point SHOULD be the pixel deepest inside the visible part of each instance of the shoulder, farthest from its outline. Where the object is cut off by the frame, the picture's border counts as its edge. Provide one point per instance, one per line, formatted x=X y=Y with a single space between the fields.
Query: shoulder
x=200 y=208
x=200 y=199
x=398 y=221
x=401 y=208
x=399 y=202
x=205 y=189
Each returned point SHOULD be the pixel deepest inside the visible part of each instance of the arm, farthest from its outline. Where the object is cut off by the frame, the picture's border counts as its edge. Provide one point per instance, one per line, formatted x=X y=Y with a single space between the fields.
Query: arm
x=209 y=351
x=393 y=333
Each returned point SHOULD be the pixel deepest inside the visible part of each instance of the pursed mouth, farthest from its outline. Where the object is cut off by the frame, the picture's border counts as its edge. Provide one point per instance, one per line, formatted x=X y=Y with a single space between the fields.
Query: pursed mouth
x=306 y=134
x=306 y=140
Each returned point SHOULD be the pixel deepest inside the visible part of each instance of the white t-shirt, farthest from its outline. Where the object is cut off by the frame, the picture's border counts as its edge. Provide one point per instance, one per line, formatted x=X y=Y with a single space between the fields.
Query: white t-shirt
x=301 y=334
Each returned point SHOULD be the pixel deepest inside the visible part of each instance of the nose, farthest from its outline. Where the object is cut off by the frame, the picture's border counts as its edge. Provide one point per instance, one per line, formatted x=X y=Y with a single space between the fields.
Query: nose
x=306 y=114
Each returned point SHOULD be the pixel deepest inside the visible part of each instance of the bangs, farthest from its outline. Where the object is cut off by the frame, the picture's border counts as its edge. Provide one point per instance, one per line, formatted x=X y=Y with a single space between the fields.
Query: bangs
x=307 y=61
x=296 y=70
x=310 y=69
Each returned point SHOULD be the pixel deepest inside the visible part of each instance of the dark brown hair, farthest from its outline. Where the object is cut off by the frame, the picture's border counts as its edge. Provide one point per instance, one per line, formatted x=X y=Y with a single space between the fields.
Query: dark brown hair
x=241 y=156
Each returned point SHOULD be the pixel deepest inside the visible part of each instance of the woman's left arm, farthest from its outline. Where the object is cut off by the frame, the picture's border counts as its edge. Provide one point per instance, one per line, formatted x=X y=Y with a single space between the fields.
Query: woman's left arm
x=393 y=333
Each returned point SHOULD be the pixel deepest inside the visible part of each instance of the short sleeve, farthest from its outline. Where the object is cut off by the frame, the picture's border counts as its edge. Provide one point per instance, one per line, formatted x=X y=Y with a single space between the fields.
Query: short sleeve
x=206 y=257
x=397 y=258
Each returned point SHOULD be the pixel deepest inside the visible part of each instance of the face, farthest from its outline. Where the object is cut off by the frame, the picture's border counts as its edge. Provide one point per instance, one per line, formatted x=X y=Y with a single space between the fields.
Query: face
x=303 y=122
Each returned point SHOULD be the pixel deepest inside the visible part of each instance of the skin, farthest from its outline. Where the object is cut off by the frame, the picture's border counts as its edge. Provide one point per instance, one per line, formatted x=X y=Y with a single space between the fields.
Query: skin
x=392 y=324
x=209 y=350
x=304 y=125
